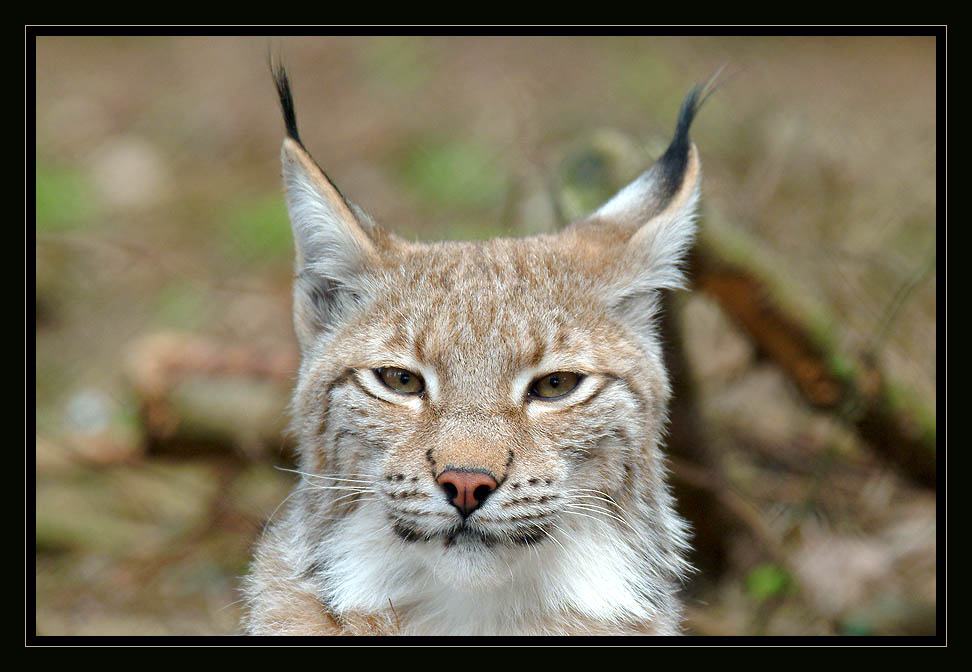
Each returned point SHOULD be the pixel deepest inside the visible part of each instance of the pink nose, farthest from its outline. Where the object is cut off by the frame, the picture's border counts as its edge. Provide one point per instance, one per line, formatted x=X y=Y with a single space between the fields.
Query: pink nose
x=466 y=490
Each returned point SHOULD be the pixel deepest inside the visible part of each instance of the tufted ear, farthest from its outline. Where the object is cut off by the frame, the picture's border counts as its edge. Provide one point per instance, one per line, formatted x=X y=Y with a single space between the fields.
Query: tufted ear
x=334 y=240
x=647 y=228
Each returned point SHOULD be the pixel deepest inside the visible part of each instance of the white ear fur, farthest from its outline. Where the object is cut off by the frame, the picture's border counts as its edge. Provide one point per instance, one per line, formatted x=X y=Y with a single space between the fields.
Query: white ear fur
x=660 y=244
x=327 y=233
x=655 y=218
x=333 y=249
x=658 y=229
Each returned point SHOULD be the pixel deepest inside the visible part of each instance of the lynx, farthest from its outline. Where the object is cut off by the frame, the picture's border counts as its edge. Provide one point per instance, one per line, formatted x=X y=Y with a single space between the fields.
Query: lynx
x=479 y=423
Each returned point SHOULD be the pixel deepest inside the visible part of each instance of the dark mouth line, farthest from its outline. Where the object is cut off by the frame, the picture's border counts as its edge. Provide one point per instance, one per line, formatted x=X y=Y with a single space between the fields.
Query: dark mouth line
x=400 y=511
x=540 y=515
x=522 y=537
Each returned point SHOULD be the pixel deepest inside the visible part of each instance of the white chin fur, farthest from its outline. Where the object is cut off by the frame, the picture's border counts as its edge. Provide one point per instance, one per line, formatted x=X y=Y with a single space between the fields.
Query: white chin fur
x=473 y=589
x=469 y=567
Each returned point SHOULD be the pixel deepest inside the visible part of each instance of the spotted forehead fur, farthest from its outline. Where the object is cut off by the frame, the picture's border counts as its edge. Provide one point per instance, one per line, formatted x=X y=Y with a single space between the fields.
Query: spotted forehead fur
x=503 y=299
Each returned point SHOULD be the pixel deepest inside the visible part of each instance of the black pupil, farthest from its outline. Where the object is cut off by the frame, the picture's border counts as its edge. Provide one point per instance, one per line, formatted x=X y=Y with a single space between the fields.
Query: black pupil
x=404 y=378
x=554 y=381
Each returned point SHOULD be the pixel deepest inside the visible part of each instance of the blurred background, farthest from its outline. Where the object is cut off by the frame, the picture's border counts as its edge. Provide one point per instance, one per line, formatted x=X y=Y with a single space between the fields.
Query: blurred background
x=803 y=437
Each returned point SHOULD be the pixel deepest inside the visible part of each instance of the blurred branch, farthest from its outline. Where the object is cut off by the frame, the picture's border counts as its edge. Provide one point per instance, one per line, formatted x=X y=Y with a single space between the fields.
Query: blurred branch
x=856 y=393
x=910 y=284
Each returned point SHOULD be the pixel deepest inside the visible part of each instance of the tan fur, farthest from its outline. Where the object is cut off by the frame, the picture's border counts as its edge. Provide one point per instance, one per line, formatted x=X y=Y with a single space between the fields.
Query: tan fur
x=580 y=536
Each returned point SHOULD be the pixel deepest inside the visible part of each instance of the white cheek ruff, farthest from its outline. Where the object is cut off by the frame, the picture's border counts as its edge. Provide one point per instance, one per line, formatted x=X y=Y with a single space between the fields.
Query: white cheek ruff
x=479 y=591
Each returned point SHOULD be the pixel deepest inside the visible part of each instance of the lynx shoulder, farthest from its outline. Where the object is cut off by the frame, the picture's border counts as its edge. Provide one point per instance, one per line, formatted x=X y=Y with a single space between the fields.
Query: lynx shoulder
x=479 y=424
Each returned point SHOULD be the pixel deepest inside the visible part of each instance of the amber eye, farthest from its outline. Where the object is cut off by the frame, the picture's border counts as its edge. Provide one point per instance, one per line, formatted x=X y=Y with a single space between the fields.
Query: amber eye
x=554 y=385
x=400 y=380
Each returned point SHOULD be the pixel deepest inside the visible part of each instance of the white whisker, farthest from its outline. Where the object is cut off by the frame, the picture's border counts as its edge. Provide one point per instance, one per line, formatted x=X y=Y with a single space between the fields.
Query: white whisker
x=351 y=495
x=352 y=488
x=329 y=476
x=554 y=539
x=603 y=522
x=598 y=509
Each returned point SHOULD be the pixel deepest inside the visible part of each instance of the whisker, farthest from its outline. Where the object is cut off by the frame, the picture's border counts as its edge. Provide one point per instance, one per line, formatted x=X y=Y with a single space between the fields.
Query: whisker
x=599 y=497
x=355 y=488
x=597 y=494
x=554 y=539
x=610 y=514
x=328 y=476
x=266 y=525
x=351 y=495
x=575 y=512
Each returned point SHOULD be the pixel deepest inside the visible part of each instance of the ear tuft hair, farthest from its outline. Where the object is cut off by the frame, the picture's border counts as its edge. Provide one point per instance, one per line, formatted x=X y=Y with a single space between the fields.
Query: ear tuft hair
x=286 y=99
x=671 y=165
x=653 y=221
x=334 y=248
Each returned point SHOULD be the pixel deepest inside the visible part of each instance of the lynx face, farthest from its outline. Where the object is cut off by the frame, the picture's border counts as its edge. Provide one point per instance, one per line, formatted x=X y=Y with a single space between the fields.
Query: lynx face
x=481 y=421
x=483 y=398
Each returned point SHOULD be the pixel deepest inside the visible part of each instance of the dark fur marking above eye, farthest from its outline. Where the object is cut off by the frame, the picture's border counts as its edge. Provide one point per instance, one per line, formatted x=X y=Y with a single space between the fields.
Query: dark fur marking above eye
x=418 y=348
x=536 y=356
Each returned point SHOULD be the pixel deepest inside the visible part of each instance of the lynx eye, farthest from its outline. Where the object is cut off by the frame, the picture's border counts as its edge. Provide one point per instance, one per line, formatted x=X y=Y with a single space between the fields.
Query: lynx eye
x=400 y=380
x=554 y=385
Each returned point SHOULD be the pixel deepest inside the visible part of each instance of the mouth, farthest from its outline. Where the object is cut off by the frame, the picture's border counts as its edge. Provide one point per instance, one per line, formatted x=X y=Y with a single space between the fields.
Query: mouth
x=470 y=535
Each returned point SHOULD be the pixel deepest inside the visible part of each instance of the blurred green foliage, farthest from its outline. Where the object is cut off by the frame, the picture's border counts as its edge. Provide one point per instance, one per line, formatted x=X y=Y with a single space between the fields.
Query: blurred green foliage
x=64 y=198
x=395 y=64
x=767 y=581
x=182 y=305
x=259 y=229
x=454 y=173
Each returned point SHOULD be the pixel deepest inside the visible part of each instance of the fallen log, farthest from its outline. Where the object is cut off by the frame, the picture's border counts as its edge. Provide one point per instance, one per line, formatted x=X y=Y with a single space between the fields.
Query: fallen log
x=197 y=395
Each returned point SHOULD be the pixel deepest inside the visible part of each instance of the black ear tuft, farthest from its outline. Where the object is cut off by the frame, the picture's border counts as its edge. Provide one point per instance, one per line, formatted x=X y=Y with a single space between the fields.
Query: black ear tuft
x=671 y=164
x=286 y=100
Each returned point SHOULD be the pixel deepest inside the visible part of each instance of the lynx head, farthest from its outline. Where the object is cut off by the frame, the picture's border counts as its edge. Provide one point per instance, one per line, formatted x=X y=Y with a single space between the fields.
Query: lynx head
x=488 y=412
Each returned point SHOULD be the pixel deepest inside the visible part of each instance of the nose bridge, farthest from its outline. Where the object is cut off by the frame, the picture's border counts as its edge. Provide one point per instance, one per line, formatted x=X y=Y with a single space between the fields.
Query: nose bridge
x=473 y=445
